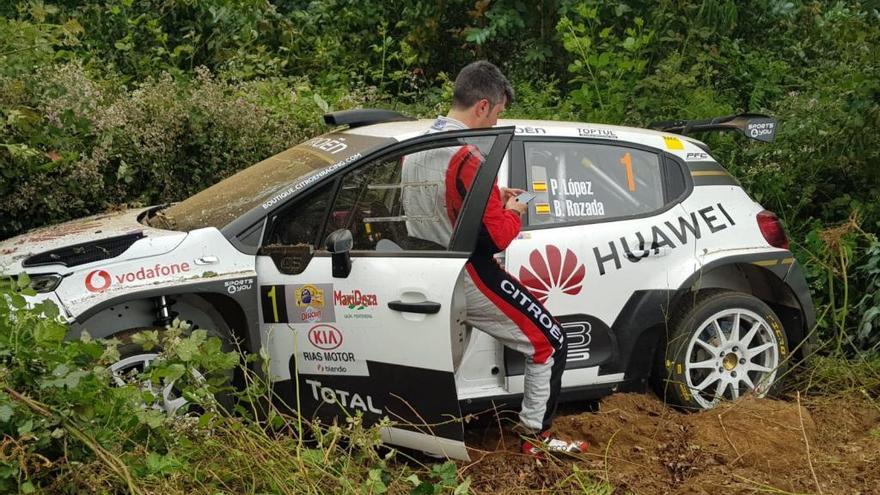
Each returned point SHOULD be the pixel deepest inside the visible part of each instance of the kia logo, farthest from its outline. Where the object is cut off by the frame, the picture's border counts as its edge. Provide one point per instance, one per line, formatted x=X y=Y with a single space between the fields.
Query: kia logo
x=325 y=337
x=98 y=281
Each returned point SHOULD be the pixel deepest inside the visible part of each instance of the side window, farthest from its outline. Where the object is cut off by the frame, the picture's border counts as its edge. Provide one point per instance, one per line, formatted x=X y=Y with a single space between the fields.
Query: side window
x=300 y=223
x=584 y=181
x=400 y=203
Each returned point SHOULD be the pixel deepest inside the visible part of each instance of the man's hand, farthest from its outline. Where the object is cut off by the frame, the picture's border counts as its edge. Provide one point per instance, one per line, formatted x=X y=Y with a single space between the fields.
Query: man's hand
x=507 y=193
x=513 y=204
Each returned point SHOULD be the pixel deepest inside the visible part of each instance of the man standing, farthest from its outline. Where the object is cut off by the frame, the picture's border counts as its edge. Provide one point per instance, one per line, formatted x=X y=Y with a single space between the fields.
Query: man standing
x=496 y=302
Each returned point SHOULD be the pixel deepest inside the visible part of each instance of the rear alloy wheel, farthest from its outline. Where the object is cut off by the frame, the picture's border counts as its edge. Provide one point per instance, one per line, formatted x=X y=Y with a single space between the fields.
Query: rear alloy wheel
x=722 y=346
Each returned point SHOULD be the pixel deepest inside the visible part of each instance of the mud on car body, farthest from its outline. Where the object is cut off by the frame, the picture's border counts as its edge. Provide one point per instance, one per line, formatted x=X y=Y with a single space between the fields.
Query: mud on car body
x=656 y=262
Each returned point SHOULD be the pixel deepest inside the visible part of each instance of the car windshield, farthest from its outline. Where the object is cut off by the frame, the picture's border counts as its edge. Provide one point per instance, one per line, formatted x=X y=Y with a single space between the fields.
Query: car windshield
x=265 y=182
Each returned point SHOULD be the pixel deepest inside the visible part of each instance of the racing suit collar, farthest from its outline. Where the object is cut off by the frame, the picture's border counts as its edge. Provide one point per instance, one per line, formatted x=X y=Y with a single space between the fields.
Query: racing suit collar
x=444 y=123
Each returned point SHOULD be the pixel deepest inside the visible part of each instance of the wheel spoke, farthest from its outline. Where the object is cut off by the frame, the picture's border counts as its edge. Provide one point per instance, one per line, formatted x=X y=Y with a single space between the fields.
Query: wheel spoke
x=709 y=363
x=734 y=330
x=709 y=380
x=709 y=347
x=721 y=337
x=755 y=351
x=758 y=367
x=734 y=389
x=719 y=390
x=751 y=334
x=173 y=405
x=748 y=381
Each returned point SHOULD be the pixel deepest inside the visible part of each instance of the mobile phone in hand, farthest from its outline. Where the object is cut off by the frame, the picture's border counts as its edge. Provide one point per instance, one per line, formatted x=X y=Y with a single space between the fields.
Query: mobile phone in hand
x=525 y=197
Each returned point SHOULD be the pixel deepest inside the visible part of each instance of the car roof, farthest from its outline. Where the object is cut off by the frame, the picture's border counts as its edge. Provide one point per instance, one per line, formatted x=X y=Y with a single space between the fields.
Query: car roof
x=663 y=140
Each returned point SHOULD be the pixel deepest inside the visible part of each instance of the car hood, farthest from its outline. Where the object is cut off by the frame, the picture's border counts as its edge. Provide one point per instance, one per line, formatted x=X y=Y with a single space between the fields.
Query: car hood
x=14 y=251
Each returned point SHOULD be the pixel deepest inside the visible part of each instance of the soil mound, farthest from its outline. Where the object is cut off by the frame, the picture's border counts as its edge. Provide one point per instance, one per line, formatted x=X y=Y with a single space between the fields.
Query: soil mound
x=640 y=445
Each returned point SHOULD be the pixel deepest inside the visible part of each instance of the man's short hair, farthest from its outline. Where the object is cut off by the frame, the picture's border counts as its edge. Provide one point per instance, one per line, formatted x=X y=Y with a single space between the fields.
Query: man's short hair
x=478 y=80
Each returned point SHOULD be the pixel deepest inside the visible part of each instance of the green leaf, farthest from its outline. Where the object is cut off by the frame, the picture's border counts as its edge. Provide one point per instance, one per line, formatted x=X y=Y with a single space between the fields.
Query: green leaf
x=26 y=427
x=27 y=487
x=374 y=482
x=24 y=280
x=5 y=413
x=148 y=339
x=464 y=488
x=72 y=27
x=187 y=349
x=48 y=332
x=18 y=302
x=151 y=417
x=446 y=472
x=424 y=488
x=60 y=370
x=205 y=420
x=171 y=372
x=313 y=456
x=162 y=464
x=321 y=103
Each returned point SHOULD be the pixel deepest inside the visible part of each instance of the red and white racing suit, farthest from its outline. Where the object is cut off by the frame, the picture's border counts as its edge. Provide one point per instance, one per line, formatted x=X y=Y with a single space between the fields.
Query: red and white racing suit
x=496 y=302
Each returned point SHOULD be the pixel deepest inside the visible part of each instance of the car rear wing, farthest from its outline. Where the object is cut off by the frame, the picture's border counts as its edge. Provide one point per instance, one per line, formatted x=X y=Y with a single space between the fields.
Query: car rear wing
x=363 y=116
x=752 y=125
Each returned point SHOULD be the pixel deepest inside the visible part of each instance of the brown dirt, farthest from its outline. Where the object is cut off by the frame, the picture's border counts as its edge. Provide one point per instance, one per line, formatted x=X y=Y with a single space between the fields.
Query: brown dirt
x=641 y=446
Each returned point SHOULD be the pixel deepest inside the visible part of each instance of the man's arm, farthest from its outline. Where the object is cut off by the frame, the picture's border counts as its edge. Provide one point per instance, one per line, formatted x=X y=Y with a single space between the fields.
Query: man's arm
x=500 y=225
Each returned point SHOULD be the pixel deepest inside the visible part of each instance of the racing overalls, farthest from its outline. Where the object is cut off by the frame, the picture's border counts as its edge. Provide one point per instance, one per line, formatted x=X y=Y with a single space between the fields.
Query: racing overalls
x=496 y=302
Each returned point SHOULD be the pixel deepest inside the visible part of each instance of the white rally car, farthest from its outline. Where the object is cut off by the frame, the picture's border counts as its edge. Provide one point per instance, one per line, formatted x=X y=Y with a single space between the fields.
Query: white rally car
x=657 y=263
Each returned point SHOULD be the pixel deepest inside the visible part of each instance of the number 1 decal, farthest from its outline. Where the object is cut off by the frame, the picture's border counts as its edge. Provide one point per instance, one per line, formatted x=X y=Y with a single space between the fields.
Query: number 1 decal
x=627 y=162
x=272 y=296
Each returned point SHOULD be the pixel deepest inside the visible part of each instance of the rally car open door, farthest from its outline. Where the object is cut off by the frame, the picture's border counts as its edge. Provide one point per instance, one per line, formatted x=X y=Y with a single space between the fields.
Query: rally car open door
x=371 y=321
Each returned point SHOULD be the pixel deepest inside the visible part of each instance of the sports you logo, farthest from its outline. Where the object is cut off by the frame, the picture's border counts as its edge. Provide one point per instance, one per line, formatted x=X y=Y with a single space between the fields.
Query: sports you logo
x=550 y=272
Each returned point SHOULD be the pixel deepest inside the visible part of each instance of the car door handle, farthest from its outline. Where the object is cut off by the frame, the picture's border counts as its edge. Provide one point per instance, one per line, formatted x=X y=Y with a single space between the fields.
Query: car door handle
x=644 y=253
x=424 y=307
x=664 y=251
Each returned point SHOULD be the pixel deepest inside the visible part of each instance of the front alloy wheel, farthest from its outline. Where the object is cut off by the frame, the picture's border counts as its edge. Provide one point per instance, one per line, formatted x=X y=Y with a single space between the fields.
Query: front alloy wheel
x=168 y=397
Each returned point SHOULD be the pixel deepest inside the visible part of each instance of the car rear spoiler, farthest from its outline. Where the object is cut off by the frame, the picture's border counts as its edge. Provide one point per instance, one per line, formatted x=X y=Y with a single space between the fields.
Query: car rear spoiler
x=752 y=125
x=363 y=116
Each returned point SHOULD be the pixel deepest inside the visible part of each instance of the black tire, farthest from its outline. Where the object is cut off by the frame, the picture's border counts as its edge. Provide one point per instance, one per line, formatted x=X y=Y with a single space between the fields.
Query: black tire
x=689 y=374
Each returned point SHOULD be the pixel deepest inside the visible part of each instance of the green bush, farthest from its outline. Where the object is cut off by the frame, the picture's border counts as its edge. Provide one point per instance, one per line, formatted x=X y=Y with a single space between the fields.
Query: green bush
x=112 y=103
x=68 y=426
x=58 y=408
x=78 y=145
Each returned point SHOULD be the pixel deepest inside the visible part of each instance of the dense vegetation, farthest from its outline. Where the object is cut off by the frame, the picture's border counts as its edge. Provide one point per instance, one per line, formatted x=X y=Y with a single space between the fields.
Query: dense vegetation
x=105 y=104
x=114 y=103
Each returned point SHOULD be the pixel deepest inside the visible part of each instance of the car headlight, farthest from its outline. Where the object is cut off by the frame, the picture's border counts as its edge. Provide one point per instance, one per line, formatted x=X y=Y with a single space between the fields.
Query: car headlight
x=45 y=283
x=40 y=283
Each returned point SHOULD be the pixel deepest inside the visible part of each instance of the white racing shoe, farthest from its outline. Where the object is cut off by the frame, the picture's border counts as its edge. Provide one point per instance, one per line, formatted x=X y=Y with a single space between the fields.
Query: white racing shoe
x=545 y=443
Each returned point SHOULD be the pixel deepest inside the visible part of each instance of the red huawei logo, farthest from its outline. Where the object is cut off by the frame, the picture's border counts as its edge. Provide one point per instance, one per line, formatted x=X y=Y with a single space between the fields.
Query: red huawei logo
x=551 y=271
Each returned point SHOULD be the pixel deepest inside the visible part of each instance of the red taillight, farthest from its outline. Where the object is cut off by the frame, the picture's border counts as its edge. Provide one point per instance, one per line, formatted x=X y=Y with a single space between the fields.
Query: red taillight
x=772 y=229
